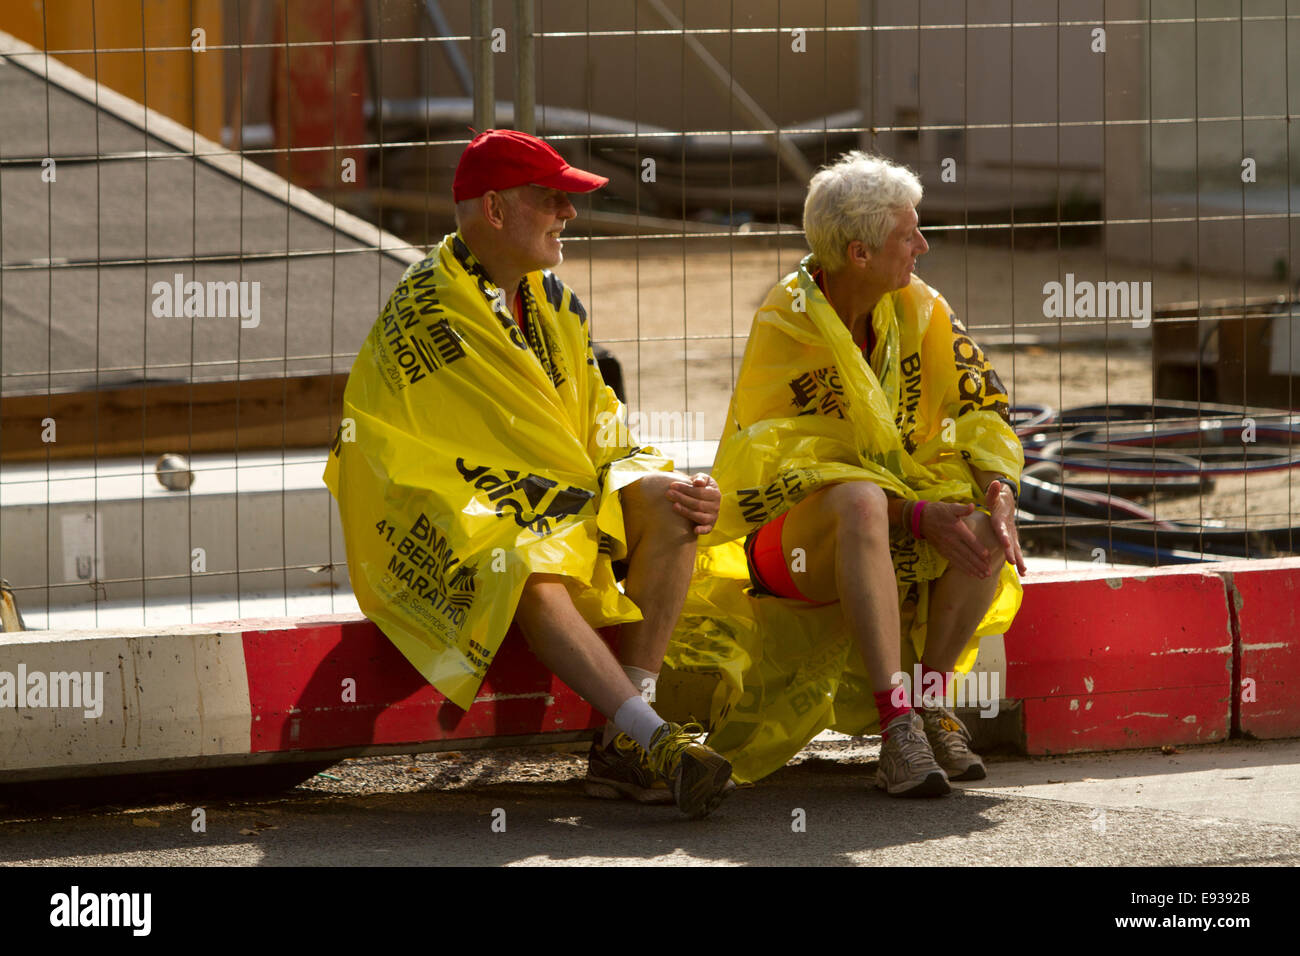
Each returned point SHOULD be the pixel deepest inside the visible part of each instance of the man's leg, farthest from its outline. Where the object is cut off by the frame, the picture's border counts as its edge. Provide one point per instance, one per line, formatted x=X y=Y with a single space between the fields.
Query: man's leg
x=661 y=556
x=958 y=602
x=571 y=649
x=661 y=547
x=843 y=532
x=568 y=646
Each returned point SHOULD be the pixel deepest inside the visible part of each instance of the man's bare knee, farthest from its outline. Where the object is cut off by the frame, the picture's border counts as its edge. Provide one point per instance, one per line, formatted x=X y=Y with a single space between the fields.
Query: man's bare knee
x=646 y=506
x=536 y=582
x=543 y=594
x=649 y=490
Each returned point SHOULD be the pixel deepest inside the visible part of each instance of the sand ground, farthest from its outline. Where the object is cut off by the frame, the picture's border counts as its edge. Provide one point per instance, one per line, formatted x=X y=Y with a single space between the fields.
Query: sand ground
x=676 y=312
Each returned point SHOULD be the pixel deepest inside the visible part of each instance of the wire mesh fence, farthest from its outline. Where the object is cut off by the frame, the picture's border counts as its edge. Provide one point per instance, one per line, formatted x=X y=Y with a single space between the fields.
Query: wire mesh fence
x=205 y=204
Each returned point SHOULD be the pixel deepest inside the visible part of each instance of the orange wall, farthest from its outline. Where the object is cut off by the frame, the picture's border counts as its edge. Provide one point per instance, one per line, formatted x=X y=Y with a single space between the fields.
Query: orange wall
x=181 y=84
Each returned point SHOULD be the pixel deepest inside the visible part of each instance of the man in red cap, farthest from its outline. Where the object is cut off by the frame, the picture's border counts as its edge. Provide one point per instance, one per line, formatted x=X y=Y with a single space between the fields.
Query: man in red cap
x=482 y=359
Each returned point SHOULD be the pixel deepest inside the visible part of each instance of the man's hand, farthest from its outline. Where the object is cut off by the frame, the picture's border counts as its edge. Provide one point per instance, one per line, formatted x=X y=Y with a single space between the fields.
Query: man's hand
x=698 y=501
x=943 y=527
x=1002 y=514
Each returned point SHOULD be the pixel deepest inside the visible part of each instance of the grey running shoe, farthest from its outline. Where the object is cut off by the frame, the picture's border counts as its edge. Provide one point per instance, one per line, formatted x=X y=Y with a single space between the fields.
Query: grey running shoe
x=907 y=765
x=622 y=770
x=950 y=741
x=699 y=777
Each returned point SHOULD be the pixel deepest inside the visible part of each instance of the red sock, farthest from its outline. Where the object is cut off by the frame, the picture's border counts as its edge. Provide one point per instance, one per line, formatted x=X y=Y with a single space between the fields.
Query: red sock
x=886 y=707
x=927 y=682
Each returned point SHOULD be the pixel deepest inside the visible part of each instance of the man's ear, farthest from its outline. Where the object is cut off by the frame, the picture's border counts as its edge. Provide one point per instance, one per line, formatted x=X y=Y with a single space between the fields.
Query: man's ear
x=494 y=208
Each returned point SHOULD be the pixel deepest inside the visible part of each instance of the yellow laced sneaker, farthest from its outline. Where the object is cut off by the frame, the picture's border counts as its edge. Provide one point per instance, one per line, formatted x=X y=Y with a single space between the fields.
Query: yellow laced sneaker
x=700 y=777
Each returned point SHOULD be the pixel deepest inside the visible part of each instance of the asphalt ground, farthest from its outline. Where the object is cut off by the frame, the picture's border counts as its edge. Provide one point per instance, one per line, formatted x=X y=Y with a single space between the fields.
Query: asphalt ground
x=1232 y=804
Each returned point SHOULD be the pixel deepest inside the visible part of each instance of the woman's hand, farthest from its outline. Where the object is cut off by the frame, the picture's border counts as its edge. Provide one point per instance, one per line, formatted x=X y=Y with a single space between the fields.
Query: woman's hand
x=1002 y=515
x=943 y=526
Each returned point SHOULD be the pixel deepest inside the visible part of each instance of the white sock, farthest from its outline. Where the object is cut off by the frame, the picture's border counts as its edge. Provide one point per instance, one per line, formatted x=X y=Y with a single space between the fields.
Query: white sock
x=643 y=680
x=638 y=720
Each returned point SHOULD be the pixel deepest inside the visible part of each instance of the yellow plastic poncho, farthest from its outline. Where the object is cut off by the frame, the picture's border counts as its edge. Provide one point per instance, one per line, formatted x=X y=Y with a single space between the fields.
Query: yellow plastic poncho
x=470 y=456
x=809 y=411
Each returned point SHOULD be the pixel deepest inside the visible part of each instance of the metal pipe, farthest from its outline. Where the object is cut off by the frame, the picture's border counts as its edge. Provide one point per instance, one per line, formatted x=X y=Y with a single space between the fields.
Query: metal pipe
x=525 y=71
x=484 y=68
x=791 y=158
x=455 y=59
x=866 y=73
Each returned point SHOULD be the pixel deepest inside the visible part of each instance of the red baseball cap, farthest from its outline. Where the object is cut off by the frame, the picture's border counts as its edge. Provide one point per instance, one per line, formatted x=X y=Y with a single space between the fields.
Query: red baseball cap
x=505 y=158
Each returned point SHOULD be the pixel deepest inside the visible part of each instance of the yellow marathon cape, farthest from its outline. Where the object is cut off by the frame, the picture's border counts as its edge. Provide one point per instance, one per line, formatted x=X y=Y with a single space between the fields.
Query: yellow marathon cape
x=807 y=412
x=465 y=462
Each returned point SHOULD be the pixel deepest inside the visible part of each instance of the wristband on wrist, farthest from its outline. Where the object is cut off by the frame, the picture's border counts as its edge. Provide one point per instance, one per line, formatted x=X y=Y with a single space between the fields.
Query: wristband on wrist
x=918 y=510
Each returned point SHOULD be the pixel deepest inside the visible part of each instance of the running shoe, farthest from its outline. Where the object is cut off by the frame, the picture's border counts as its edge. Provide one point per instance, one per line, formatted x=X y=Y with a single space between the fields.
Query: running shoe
x=700 y=778
x=622 y=771
x=950 y=741
x=907 y=765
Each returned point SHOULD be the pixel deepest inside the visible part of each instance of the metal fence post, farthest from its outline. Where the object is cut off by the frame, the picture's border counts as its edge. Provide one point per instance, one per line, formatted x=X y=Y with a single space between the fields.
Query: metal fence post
x=525 y=73
x=484 y=68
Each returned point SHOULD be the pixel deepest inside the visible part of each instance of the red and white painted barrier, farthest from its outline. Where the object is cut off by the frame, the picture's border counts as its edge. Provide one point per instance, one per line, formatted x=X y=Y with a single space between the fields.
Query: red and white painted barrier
x=1264 y=597
x=1100 y=660
x=255 y=691
x=1178 y=655
x=335 y=683
x=1106 y=661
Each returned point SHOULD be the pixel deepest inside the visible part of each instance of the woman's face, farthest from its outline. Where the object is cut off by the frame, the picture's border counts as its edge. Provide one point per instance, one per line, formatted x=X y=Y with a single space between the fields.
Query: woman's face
x=892 y=265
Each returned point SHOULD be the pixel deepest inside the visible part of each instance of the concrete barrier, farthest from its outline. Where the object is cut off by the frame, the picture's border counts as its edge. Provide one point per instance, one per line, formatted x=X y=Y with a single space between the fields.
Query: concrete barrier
x=1096 y=660
x=250 y=692
x=1264 y=597
x=1102 y=660
x=77 y=704
x=333 y=683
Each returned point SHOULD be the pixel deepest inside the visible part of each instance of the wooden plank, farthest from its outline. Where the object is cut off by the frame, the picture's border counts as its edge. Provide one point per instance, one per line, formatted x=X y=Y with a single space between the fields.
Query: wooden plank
x=1243 y=369
x=146 y=420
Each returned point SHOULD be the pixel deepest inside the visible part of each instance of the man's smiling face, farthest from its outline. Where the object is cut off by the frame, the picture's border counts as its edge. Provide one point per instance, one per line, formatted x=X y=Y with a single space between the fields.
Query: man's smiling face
x=535 y=218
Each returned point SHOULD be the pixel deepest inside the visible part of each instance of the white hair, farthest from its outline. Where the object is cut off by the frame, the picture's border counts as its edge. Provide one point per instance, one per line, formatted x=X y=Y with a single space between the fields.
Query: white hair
x=856 y=197
x=467 y=209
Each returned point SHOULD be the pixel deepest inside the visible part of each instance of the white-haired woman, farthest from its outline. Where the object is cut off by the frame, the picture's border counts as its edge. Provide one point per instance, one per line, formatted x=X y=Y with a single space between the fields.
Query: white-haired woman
x=868 y=462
